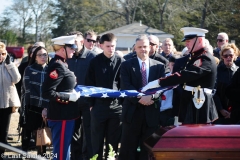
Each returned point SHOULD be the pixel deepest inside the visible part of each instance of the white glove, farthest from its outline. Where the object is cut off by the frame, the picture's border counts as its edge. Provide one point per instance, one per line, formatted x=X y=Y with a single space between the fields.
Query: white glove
x=153 y=84
x=73 y=96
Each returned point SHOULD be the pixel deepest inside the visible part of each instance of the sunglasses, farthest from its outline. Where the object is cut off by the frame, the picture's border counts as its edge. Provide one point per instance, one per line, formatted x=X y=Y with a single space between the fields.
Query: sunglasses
x=227 y=55
x=220 y=40
x=42 y=55
x=3 y=54
x=90 y=40
x=152 y=44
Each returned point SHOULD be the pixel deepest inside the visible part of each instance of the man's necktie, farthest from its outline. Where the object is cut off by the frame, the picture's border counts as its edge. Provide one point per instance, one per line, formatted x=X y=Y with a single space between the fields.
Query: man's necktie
x=144 y=74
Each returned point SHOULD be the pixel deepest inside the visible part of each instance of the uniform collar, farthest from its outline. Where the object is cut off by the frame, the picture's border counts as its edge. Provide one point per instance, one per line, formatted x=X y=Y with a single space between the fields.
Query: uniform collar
x=59 y=57
x=198 y=52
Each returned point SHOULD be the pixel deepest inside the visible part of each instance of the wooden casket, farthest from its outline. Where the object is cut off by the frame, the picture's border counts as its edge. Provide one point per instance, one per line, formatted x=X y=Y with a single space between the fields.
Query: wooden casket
x=195 y=142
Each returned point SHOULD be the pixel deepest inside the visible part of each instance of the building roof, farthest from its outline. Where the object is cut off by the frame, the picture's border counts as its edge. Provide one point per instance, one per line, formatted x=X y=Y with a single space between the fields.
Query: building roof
x=136 y=29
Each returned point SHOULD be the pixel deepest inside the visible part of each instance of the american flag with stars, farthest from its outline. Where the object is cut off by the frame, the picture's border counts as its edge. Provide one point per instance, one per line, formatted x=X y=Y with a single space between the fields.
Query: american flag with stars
x=99 y=92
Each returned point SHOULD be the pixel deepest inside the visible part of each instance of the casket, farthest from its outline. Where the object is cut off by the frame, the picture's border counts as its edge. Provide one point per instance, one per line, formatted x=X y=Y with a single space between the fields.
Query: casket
x=195 y=142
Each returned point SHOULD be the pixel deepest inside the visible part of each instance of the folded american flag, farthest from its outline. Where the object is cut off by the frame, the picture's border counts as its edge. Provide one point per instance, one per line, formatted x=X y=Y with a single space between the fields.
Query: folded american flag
x=99 y=92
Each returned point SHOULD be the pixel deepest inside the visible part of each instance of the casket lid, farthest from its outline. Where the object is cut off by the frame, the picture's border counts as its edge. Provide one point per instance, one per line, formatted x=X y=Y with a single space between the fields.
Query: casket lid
x=201 y=130
x=197 y=138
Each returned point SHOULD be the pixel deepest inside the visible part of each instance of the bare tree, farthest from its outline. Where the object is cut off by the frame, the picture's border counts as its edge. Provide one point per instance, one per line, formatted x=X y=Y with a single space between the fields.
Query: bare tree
x=204 y=13
x=123 y=8
x=22 y=16
x=41 y=11
x=161 y=8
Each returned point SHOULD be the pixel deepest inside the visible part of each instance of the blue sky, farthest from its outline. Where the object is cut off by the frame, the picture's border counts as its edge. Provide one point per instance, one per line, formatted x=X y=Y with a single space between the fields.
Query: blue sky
x=4 y=4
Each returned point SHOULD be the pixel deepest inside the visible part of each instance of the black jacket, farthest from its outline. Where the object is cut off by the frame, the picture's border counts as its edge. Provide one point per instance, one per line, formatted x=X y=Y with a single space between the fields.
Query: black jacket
x=216 y=53
x=60 y=79
x=161 y=59
x=33 y=79
x=201 y=70
x=105 y=72
x=233 y=92
x=79 y=65
x=224 y=76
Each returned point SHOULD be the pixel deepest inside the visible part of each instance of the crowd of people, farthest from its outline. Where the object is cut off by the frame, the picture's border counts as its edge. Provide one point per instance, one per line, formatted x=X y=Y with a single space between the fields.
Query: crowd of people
x=207 y=90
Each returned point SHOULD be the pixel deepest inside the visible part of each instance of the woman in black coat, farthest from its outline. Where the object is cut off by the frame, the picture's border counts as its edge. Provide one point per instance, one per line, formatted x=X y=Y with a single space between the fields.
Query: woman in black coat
x=225 y=72
x=32 y=100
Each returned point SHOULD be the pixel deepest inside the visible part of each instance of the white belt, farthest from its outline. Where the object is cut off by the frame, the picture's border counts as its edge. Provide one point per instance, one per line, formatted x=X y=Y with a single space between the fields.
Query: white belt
x=192 y=89
x=198 y=96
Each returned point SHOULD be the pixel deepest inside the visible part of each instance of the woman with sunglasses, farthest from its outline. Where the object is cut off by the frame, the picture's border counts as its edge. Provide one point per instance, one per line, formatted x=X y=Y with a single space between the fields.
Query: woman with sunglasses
x=33 y=102
x=225 y=72
x=233 y=92
x=9 y=99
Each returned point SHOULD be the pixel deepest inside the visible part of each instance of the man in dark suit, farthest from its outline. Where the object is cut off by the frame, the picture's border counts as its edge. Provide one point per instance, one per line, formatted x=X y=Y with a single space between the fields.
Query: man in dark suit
x=139 y=114
x=153 y=44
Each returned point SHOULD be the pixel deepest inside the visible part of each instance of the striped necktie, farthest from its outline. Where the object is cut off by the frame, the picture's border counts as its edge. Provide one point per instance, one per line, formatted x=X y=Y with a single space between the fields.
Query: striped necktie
x=144 y=74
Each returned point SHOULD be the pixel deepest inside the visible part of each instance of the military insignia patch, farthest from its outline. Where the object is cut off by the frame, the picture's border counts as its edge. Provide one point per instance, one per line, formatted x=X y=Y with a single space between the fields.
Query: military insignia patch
x=198 y=63
x=54 y=74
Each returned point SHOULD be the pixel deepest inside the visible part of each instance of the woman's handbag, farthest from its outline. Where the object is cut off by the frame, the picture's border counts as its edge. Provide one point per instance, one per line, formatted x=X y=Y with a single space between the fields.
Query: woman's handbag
x=44 y=136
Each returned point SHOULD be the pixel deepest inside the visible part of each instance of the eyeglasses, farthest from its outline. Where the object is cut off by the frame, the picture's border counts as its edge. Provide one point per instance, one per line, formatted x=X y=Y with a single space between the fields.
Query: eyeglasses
x=220 y=40
x=3 y=54
x=90 y=40
x=152 y=44
x=42 y=55
x=227 y=55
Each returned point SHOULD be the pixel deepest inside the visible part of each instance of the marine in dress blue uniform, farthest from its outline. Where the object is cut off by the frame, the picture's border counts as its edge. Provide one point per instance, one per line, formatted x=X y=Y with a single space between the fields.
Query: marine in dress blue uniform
x=59 y=89
x=198 y=78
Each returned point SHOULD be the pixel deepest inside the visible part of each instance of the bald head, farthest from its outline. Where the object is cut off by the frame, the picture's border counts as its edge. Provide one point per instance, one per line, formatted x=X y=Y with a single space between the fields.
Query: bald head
x=222 y=39
x=154 y=43
x=153 y=39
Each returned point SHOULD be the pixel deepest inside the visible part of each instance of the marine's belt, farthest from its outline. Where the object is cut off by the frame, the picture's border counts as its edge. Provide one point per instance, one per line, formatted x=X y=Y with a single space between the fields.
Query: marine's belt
x=193 y=89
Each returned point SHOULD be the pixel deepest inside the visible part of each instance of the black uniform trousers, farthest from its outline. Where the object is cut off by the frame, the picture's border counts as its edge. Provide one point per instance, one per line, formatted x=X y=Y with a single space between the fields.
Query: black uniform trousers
x=108 y=127
x=5 y=116
x=87 y=141
x=131 y=133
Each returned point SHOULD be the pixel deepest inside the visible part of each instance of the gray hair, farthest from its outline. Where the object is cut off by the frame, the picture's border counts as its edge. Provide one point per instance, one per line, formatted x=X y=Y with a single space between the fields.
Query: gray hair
x=142 y=37
x=224 y=35
x=168 y=39
x=155 y=38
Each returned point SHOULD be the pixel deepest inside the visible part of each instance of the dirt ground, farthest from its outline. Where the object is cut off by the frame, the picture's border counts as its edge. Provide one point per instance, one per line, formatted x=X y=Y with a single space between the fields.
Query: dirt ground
x=16 y=142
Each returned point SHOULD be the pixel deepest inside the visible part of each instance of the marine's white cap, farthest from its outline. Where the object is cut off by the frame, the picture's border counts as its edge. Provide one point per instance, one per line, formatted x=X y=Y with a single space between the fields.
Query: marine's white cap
x=68 y=41
x=192 y=32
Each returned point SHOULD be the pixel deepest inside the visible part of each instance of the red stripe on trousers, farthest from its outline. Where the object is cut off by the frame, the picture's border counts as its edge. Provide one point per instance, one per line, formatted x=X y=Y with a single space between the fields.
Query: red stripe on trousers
x=62 y=139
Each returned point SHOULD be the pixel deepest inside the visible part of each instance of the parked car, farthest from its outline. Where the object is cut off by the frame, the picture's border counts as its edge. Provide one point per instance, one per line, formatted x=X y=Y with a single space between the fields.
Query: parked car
x=15 y=52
